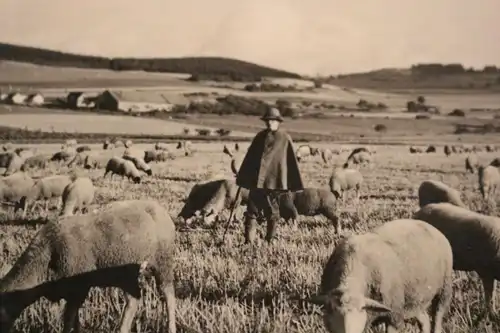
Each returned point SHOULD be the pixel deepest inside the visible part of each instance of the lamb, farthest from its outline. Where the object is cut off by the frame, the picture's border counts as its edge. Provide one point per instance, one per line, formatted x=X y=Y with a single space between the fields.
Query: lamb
x=309 y=202
x=400 y=271
x=474 y=240
x=304 y=151
x=47 y=188
x=489 y=180
x=14 y=188
x=82 y=149
x=434 y=191
x=38 y=161
x=114 y=247
x=210 y=198
x=124 y=168
x=471 y=163
x=140 y=164
x=358 y=159
x=77 y=195
x=343 y=180
x=447 y=150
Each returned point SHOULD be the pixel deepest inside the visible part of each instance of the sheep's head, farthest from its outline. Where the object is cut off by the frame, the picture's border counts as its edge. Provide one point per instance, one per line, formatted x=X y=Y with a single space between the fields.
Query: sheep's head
x=137 y=180
x=149 y=172
x=344 y=312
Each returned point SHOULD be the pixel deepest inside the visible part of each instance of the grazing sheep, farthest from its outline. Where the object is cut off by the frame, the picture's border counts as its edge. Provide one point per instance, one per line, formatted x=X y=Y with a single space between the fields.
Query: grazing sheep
x=187 y=145
x=489 y=180
x=416 y=150
x=81 y=149
x=24 y=152
x=358 y=159
x=131 y=152
x=304 y=151
x=495 y=162
x=471 y=163
x=124 y=168
x=140 y=164
x=434 y=191
x=14 y=188
x=128 y=144
x=161 y=146
x=343 y=180
x=157 y=156
x=447 y=150
x=95 y=161
x=77 y=195
x=71 y=142
x=309 y=202
x=357 y=151
x=14 y=164
x=474 y=240
x=78 y=160
x=111 y=248
x=47 y=188
x=7 y=147
x=107 y=145
x=431 y=149
x=208 y=199
x=37 y=161
x=62 y=156
x=400 y=271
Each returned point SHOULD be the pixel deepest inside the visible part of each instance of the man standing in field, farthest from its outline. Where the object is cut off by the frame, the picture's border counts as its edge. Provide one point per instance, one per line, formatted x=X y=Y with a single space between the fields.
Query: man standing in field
x=268 y=169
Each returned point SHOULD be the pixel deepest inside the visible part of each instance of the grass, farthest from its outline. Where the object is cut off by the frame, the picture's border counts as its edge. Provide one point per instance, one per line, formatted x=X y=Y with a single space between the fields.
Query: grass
x=238 y=288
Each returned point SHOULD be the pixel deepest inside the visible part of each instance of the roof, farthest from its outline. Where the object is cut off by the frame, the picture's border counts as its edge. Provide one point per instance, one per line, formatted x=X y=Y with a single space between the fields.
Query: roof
x=157 y=97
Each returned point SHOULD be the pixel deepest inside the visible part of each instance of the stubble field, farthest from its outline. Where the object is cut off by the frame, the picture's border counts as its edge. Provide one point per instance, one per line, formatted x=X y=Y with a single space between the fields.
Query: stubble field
x=237 y=288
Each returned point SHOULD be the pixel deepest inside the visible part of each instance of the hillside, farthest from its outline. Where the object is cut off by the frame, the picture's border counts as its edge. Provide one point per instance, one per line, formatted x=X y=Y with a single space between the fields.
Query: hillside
x=424 y=77
x=199 y=66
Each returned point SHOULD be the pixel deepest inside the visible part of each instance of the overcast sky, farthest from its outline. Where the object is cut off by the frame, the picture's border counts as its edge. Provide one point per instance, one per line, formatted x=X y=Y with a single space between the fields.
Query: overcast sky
x=306 y=36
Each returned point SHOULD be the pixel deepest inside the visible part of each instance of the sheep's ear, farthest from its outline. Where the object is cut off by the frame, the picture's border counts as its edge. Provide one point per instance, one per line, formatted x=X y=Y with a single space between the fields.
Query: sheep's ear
x=375 y=306
x=317 y=299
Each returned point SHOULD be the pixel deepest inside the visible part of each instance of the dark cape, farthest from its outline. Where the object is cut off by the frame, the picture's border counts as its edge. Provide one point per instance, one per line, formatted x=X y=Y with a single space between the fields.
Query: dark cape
x=270 y=163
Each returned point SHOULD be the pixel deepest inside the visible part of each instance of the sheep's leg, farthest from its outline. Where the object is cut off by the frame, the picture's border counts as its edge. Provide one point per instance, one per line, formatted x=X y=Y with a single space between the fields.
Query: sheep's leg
x=440 y=305
x=70 y=316
x=129 y=312
x=165 y=285
x=424 y=322
x=489 y=288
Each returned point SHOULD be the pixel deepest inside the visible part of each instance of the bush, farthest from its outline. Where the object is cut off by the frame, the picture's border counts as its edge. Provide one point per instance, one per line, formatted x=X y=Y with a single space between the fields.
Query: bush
x=380 y=128
x=457 y=113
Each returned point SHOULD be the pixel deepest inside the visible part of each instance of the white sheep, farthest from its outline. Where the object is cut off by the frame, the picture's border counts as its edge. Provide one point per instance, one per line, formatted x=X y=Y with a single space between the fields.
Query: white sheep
x=133 y=152
x=77 y=195
x=471 y=163
x=343 y=180
x=128 y=144
x=38 y=161
x=400 y=271
x=161 y=146
x=140 y=164
x=95 y=161
x=359 y=158
x=157 y=156
x=114 y=247
x=305 y=150
x=326 y=154
x=474 y=238
x=46 y=189
x=14 y=188
x=489 y=180
x=71 y=142
x=434 y=191
x=125 y=168
x=309 y=202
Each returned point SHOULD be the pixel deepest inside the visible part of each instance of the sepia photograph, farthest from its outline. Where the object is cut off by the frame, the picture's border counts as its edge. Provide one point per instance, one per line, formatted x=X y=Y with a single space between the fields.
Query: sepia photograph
x=275 y=166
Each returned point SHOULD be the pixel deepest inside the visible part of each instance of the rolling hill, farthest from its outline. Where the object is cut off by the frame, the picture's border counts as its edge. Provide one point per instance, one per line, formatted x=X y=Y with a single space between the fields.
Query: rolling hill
x=199 y=66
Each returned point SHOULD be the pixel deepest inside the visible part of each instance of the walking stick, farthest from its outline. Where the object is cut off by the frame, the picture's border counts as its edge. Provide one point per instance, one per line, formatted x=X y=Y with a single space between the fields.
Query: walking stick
x=231 y=214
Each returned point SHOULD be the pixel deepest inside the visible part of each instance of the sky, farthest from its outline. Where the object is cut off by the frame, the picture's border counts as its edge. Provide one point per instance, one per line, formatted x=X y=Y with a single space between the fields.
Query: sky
x=305 y=36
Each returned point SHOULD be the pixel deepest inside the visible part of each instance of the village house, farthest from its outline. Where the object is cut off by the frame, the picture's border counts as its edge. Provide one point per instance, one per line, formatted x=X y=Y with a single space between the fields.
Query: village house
x=35 y=99
x=139 y=101
x=78 y=100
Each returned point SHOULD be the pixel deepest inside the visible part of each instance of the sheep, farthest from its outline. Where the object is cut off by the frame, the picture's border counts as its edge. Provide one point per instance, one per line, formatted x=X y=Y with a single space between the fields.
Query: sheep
x=358 y=159
x=471 y=163
x=342 y=180
x=71 y=142
x=357 y=151
x=78 y=159
x=7 y=147
x=495 y=162
x=474 y=240
x=14 y=188
x=38 y=161
x=304 y=151
x=132 y=152
x=157 y=156
x=447 y=150
x=416 y=150
x=161 y=146
x=77 y=195
x=82 y=149
x=107 y=145
x=431 y=149
x=14 y=164
x=63 y=156
x=489 y=180
x=184 y=144
x=128 y=144
x=309 y=202
x=400 y=271
x=111 y=248
x=208 y=199
x=47 y=188
x=326 y=154
x=140 y=164
x=434 y=191
x=124 y=168
x=24 y=153
x=95 y=161
x=489 y=148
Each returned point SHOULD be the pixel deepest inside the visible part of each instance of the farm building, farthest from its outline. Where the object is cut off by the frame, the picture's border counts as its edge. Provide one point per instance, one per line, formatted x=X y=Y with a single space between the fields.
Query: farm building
x=139 y=101
x=35 y=99
x=78 y=99
x=16 y=98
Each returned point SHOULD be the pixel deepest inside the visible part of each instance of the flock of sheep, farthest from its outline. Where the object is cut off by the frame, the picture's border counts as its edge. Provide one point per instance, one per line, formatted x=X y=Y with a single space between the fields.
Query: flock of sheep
x=399 y=271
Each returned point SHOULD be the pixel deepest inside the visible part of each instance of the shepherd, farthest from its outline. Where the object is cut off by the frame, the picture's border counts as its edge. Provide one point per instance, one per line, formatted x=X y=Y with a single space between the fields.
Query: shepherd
x=269 y=168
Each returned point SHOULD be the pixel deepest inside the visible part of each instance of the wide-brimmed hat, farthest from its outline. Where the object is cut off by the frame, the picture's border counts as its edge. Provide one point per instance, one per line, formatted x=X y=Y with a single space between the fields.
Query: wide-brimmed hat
x=272 y=114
